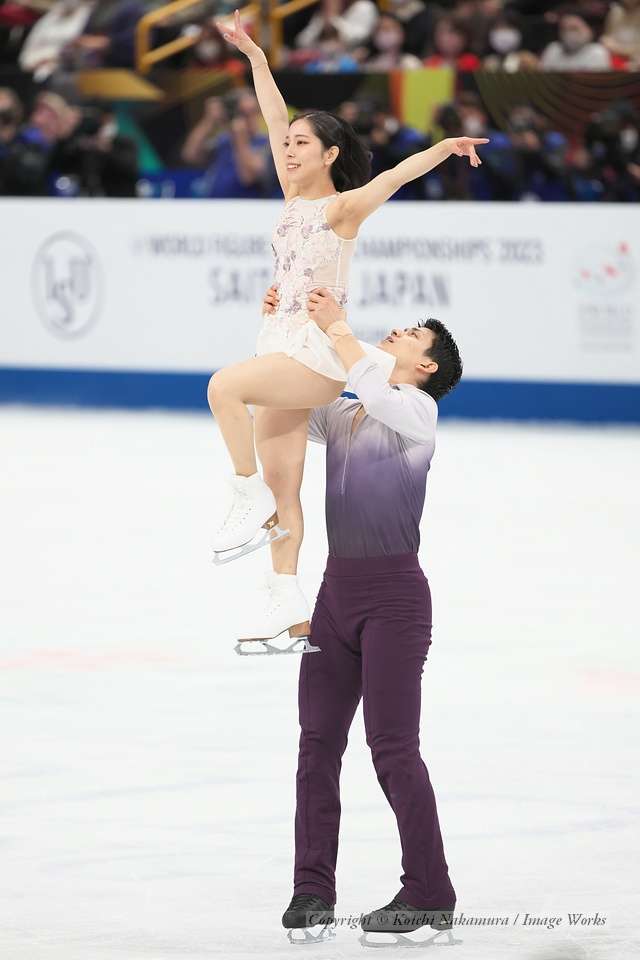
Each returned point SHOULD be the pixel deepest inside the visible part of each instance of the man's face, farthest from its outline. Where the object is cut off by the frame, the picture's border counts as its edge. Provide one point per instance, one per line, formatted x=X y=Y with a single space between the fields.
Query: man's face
x=408 y=346
x=8 y=118
x=47 y=120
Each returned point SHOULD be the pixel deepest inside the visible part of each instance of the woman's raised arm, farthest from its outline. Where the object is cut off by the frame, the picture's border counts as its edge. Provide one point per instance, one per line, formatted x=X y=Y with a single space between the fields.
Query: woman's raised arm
x=272 y=105
x=356 y=205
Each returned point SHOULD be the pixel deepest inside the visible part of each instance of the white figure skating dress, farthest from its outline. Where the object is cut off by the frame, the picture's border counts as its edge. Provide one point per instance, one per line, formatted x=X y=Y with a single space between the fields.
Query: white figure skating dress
x=309 y=254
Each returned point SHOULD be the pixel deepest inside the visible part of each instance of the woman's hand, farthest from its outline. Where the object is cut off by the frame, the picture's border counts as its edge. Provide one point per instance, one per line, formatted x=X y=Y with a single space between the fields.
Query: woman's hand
x=271 y=300
x=238 y=36
x=466 y=147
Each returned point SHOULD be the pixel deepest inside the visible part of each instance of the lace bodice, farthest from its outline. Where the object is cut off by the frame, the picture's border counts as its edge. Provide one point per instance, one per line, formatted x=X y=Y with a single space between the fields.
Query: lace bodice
x=308 y=254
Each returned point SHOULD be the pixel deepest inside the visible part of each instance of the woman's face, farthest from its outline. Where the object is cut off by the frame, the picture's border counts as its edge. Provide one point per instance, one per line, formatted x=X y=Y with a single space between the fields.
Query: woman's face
x=389 y=35
x=305 y=154
x=449 y=42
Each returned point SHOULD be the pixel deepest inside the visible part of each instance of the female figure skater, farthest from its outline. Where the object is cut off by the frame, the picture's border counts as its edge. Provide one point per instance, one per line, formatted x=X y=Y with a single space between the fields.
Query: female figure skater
x=323 y=169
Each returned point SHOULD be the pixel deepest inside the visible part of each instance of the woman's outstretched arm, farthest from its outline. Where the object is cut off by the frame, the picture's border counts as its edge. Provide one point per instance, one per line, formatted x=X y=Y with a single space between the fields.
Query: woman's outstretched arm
x=356 y=205
x=272 y=105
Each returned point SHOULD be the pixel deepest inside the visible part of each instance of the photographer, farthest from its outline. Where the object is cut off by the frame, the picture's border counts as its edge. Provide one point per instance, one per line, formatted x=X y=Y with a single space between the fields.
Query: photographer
x=10 y=116
x=228 y=142
x=25 y=166
x=100 y=161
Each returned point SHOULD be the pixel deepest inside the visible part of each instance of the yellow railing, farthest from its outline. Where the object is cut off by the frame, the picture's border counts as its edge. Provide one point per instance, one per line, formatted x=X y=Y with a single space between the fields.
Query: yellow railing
x=146 y=57
x=277 y=14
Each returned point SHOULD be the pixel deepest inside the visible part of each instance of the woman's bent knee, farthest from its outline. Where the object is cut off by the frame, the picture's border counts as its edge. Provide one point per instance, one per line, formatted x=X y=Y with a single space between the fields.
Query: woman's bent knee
x=216 y=388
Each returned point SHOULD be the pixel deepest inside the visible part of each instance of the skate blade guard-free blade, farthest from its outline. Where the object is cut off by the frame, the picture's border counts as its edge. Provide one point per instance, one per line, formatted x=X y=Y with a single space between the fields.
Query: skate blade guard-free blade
x=270 y=535
x=270 y=650
x=303 y=936
x=367 y=939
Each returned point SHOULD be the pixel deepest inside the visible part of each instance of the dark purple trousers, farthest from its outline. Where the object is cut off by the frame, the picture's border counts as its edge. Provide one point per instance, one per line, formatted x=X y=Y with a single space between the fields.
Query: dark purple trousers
x=372 y=621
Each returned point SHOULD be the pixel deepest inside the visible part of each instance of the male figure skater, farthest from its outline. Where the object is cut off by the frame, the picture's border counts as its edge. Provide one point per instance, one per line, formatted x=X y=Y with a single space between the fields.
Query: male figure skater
x=372 y=618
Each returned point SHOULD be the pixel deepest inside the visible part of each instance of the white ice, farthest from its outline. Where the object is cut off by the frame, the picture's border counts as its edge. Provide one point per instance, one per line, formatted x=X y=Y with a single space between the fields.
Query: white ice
x=147 y=787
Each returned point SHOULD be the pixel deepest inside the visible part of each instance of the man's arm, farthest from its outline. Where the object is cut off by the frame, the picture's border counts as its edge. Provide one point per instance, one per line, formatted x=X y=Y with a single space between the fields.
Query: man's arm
x=410 y=413
x=318 y=425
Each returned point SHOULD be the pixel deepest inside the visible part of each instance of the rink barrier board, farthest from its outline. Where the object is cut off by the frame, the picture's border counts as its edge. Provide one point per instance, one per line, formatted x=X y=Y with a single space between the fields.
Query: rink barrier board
x=472 y=399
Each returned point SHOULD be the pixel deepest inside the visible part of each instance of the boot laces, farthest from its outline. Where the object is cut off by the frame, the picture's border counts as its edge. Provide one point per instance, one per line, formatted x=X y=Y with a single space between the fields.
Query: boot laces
x=238 y=512
x=303 y=900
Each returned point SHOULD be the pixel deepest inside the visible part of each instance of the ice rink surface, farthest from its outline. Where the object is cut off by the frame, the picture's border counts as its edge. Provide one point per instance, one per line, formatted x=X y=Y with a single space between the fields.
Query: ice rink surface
x=147 y=781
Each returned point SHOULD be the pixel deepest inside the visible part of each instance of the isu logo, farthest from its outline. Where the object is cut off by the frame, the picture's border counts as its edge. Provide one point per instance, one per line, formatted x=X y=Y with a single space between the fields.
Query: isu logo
x=604 y=269
x=67 y=284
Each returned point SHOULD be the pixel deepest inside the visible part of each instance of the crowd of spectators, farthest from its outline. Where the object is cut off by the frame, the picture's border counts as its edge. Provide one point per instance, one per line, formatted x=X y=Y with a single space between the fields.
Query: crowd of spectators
x=65 y=149
x=529 y=161
x=351 y=35
x=47 y=36
x=62 y=148
x=55 y=142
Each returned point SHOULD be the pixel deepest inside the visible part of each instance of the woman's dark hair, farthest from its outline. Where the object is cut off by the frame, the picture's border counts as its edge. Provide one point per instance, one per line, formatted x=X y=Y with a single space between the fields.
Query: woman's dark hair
x=352 y=166
x=444 y=350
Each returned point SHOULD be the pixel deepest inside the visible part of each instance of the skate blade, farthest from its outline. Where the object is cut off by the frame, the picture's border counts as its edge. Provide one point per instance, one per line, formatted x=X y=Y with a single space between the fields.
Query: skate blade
x=304 y=935
x=270 y=650
x=234 y=553
x=403 y=940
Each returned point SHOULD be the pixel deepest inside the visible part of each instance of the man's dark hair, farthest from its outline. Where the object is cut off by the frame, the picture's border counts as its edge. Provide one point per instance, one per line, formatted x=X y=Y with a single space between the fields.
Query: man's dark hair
x=444 y=350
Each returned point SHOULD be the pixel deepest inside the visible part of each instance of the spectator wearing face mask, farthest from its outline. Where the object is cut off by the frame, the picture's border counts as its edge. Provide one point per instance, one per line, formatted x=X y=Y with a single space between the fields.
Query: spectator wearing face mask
x=575 y=48
x=392 y=141
x=451 y=46
x=418 y=20
x=622 y=33
x=331 y=55
x=505 y=44
x=388 y=40
x=43 y=48
x=353 y=19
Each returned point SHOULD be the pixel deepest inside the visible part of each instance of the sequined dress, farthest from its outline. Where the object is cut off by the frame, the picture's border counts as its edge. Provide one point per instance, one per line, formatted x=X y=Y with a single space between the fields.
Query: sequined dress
x=309 y=254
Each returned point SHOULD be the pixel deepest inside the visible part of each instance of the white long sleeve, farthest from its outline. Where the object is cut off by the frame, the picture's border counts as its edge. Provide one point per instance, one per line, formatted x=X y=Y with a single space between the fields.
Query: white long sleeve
x=354 y=26
x=51 y=33
x=404 y=408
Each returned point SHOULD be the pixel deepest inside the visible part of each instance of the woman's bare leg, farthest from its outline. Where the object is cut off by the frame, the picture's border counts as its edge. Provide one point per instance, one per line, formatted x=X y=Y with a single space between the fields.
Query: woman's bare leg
x=281 y=440
x=273 y=380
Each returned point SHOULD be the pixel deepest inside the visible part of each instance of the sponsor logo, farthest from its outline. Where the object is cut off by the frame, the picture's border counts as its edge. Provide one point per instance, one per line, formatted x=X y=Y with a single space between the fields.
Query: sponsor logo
x=604 y=269
x=67 y=284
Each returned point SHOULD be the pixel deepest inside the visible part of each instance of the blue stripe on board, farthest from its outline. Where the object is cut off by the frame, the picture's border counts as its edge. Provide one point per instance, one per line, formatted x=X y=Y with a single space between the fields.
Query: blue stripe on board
x=475 y=399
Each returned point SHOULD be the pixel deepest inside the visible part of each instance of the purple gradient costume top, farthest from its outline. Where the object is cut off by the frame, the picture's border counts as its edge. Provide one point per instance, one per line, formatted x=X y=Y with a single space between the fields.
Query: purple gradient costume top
x=376 y=478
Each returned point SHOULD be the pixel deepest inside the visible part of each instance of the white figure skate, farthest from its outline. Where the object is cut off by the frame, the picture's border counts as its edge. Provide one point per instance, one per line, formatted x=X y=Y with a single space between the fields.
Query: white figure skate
x=253 y=508
x=282 y=607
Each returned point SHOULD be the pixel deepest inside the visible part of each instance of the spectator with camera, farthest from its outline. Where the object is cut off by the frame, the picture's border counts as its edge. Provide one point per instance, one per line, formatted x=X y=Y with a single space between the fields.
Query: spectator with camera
x=229 y=145
x=25 y=166
x=10 y=117
x=95 y=159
